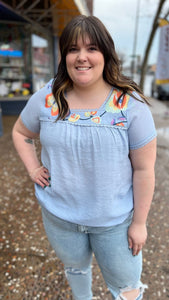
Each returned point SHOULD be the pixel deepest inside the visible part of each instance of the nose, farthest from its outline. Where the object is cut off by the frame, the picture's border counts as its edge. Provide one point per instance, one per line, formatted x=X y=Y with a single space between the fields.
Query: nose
x=82 y=55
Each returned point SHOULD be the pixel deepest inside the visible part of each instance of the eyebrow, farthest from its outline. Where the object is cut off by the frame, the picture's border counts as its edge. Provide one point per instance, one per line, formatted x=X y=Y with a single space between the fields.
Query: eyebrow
x=86 y=44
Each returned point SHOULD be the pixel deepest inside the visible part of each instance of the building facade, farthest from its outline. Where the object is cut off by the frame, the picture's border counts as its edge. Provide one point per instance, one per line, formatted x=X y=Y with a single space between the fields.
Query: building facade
x=29 y=33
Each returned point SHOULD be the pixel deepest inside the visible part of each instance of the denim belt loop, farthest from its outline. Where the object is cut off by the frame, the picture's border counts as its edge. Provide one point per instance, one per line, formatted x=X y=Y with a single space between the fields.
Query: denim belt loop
x=82 y=228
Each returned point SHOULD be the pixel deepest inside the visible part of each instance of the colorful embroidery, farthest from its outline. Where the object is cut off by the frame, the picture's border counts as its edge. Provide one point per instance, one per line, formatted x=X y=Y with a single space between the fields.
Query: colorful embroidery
x=114 y=105
x=90 y=113
x=74 y=118
x=119 y=121
x=120 y=124
x=51 y=102
x=112 y=121
x=96 y=120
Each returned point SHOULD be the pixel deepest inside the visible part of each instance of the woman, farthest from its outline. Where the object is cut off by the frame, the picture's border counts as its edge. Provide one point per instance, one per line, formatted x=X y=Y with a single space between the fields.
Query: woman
x=96 y=181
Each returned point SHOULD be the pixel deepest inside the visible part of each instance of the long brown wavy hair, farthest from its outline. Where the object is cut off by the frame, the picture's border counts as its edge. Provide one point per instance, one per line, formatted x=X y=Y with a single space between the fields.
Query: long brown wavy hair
x=91 y=26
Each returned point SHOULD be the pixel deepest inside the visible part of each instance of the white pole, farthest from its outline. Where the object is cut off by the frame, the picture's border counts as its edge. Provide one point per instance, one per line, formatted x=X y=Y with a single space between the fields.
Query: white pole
x=135 y=38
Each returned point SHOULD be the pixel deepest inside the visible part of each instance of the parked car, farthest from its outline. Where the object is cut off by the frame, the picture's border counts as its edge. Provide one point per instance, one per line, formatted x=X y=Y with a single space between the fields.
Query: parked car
x=160 y=91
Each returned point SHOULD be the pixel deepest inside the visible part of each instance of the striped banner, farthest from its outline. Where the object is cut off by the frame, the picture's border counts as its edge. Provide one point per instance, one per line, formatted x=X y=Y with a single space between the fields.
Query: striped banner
x=162 y=70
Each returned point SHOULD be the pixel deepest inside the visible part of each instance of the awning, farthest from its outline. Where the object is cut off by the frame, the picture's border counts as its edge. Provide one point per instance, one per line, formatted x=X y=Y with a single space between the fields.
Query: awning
x=7 y=14
x=46 y=15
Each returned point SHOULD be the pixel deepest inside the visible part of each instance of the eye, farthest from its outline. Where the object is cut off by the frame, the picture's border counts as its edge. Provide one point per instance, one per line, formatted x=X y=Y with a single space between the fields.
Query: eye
x=93 y=48
x=72 y=49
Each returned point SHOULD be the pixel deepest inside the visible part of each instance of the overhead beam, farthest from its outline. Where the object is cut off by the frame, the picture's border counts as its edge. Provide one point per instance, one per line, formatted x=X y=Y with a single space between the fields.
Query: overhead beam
x=46 y=12
x=21 y=4
x=26 y=18
x=31 y=6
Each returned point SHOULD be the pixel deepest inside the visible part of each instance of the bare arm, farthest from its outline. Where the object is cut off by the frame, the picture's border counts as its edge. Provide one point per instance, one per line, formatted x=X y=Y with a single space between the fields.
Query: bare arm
x=143 y=163
x=24 y=143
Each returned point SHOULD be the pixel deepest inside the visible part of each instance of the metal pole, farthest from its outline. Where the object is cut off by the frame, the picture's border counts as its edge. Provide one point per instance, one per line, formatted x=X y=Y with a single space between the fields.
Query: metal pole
x=135 y=38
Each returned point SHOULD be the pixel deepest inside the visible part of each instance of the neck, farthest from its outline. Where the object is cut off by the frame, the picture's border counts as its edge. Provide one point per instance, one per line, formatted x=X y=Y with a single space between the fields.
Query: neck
x=86 y=97
x=92 y=91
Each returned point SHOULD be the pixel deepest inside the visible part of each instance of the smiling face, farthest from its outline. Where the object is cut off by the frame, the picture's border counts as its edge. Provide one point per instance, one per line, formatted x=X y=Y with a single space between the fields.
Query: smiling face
x=85 y=63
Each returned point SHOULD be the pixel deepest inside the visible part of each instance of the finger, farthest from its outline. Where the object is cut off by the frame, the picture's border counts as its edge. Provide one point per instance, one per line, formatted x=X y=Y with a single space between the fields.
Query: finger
x=130 y=243
x=42 y=176
x=42 y=172
x=39 y=182
x=44 y=181
x=137 y=249
x=45 y=171
x=45 y=174
x=140 y=247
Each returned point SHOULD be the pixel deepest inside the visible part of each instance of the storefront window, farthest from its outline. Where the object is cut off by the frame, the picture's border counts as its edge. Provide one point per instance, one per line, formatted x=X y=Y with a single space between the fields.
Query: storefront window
x=14 y=61
x=25 y=61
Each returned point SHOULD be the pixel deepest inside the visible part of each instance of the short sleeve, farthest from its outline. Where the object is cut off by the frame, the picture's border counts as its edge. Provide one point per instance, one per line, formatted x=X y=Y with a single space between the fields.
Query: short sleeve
x=141 y=127
x=31 y=112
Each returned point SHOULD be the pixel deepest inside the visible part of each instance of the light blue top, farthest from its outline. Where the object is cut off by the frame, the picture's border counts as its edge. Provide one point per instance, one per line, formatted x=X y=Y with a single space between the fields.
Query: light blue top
x=87 y=156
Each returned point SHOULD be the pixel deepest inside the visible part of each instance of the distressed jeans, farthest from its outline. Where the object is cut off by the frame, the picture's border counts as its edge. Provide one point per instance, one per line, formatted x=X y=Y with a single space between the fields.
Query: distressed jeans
x=75 y=244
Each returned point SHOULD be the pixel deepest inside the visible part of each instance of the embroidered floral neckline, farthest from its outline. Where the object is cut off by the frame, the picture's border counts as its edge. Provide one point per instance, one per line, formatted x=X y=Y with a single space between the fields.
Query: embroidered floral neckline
x=110 y=105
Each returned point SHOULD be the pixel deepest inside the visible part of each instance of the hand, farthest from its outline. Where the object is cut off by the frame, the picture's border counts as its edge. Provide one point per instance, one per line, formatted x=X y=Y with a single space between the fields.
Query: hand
x=137 y=235
x=40 y=176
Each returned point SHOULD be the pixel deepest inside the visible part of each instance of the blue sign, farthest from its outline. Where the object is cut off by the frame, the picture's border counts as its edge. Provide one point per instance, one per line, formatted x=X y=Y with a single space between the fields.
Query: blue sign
x=13 y=53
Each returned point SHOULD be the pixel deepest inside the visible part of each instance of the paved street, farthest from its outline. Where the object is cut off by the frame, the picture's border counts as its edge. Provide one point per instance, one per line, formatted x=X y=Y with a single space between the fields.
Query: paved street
x=29 y=267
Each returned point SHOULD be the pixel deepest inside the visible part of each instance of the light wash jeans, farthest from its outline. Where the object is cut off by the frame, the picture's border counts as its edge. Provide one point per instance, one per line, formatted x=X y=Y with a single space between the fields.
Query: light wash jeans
x=74 y=245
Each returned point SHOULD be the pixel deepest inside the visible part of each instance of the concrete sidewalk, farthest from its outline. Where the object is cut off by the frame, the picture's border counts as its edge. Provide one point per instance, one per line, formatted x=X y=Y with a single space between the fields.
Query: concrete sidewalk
x=159 y=107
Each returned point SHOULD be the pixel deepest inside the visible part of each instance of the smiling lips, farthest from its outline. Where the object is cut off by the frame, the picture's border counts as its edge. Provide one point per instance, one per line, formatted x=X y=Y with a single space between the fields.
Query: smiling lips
x=83 y=68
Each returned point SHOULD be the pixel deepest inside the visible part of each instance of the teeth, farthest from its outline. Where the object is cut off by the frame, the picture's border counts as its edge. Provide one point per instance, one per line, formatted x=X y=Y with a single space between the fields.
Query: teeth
x=83 y=68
